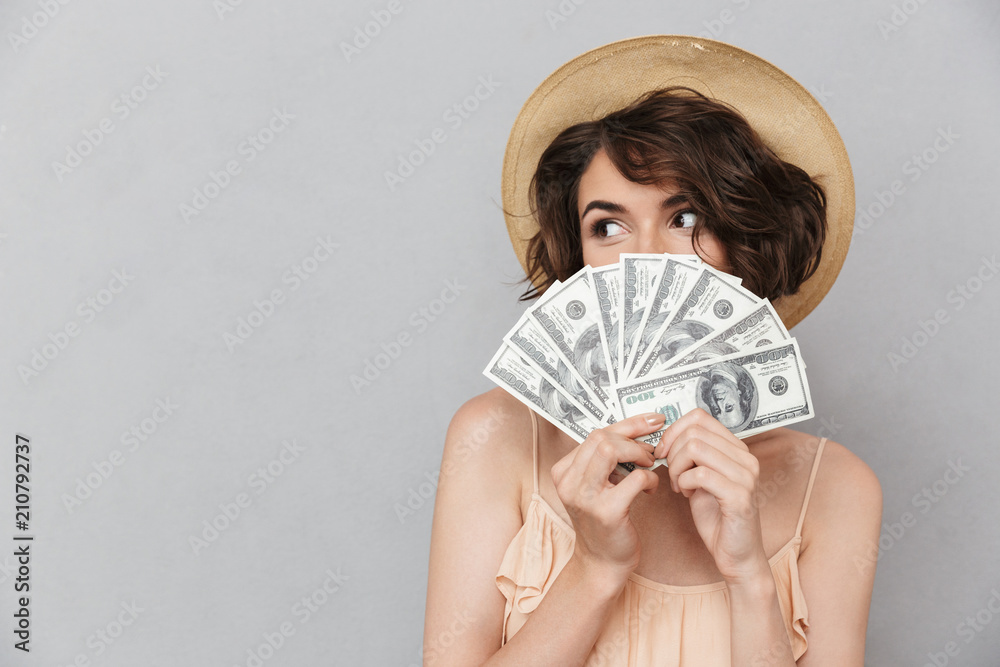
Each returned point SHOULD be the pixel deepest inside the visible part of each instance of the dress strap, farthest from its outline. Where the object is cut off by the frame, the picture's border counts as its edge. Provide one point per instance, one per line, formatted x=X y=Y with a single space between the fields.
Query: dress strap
x=812 y=478
x=534 y=446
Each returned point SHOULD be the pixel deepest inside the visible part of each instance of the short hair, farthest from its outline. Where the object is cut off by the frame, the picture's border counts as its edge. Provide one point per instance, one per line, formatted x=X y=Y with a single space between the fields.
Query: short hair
x=768 y=214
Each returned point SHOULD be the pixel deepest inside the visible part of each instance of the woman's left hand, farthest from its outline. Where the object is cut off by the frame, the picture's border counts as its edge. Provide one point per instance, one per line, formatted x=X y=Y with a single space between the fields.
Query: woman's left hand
x=717 y=472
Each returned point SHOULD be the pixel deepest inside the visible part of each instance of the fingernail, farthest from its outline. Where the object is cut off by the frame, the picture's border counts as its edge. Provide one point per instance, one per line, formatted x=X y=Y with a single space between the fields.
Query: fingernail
x=654 y=418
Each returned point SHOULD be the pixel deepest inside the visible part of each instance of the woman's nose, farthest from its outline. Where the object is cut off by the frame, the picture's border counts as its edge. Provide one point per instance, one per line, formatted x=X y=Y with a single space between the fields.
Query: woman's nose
x=654 y=243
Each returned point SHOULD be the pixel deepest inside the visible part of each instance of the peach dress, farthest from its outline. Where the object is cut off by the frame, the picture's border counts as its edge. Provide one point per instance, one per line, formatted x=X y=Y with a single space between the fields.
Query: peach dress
x=651 y=623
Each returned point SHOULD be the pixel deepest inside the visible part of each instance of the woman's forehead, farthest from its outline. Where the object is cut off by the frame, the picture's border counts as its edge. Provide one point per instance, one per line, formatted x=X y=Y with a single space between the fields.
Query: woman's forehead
x=602 y=180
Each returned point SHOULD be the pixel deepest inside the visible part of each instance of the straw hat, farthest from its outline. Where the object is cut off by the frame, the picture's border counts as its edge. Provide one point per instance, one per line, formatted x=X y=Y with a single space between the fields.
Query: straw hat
x=789 y=120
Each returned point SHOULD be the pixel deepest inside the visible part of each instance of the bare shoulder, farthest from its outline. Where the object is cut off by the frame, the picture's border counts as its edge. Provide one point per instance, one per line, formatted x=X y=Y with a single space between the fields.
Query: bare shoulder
x=846 y=491
x=846 y=498
x=477 y=513
x=489 y=434
x=843 y=466
x=839 y=470
x=839 y=550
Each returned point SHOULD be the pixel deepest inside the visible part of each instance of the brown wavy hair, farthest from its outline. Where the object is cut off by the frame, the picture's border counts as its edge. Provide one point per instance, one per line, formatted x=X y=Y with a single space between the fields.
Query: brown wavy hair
x=768 y=214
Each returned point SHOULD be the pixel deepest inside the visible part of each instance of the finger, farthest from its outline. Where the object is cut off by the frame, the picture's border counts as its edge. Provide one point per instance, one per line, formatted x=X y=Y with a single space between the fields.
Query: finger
x=633 y=424
x=733 y=499
x=633 y=427
x=559 y=468
x=607 y=455
x=630 y=449
x=586 y=448
x=637 y=425
x=594 y=476
x=695 y=417
x=698 y=433
x=635 y=482
x=696 y=452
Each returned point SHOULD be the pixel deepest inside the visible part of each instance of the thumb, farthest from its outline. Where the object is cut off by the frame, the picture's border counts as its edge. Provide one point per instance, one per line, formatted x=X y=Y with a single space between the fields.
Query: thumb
x=638 y=425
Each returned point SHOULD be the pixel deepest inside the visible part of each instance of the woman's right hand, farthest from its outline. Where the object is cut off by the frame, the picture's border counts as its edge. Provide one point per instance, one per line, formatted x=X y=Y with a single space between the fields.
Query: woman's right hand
x=606 y=541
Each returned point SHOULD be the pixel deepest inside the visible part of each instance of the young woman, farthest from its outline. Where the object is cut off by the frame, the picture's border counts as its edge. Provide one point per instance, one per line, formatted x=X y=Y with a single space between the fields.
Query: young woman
x=541 y=554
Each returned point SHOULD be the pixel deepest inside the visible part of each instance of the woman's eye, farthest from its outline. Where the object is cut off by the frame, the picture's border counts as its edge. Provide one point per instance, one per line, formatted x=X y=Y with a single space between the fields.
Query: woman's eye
x=607 y=228
x=685 y=219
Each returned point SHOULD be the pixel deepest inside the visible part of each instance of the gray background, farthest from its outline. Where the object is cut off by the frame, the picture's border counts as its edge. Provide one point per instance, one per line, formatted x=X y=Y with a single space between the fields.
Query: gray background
x=365 y=452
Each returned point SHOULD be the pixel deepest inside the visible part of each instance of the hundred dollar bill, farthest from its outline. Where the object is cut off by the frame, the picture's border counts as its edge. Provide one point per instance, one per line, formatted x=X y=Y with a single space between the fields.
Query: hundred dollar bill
x=709 y=306
x=748 y=392
x=697 y=261
x=536 y=348
x=639 y=275
x=674 y=281
x=759 y=328
x=570 y=319
x=529 y=386
x=605 y=282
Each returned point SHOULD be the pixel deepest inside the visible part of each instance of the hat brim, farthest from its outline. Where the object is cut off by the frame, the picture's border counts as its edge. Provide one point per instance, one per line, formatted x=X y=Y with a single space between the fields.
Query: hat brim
x=785 y=115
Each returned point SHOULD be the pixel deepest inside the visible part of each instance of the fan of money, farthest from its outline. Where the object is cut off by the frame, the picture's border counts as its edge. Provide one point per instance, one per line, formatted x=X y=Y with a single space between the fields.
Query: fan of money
x=653 y=333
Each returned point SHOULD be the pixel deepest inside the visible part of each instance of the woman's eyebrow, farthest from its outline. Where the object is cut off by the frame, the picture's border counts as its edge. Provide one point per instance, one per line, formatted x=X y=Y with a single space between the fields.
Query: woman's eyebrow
x=608 y=206
x=612 y=207
x=673 y=200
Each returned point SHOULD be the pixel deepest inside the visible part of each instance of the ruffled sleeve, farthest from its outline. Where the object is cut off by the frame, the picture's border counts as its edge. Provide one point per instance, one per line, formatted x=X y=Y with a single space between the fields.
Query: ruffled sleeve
x=531 y=564
x=791 y=599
